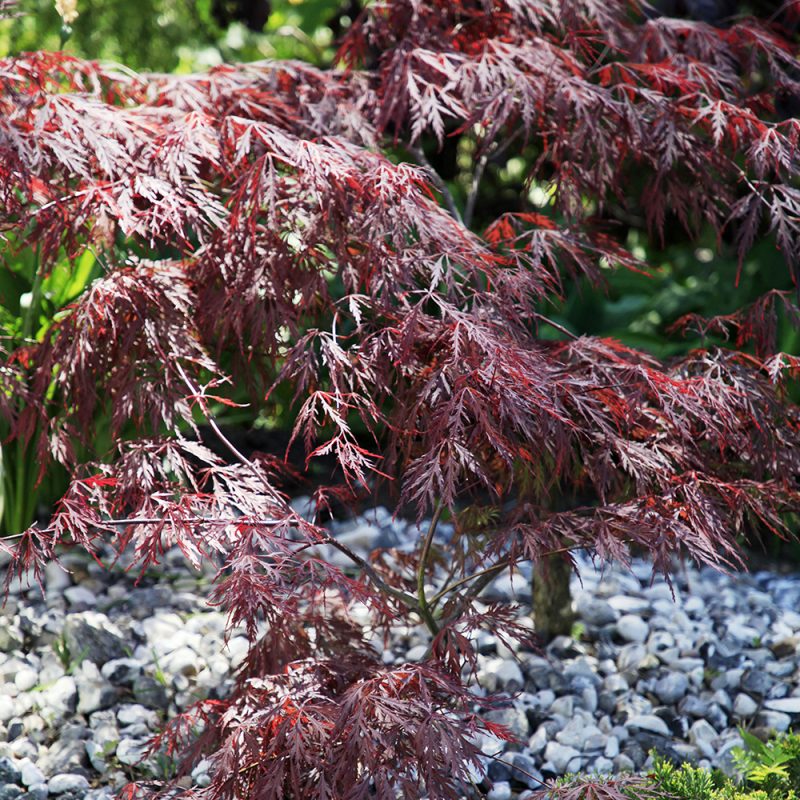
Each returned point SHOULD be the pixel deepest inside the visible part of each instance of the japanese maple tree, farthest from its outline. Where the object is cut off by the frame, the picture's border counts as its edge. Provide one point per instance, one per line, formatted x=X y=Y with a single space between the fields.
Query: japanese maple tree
x=274 y=225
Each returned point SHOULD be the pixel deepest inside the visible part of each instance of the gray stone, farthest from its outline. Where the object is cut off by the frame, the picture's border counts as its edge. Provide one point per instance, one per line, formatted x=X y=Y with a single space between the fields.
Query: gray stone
x=539 y=740
x=564 y=706
x=701 y=731
x=91 y=635
x=626 y=604
x=10 y=791
x=632 y=628
x=500 y=791
x=724 y=759
x=149 y=692
x=615 y=684
x=64 y=755
x=717 y=717
x=594 y=610
x=693 y=706
x=30 y=774
x=514 y=718
x=94 y=692
x=61 y=784
x=781 y=669
x=122 y=671
x=756 y=682
x=649 y=723
x=97 y=756
x=56 y=578
x=629 y=658
x=504 y=673
x=624 y=763
x=130 y=751
x=362 y=537
x=182 y=661
x=612 y=747
x=417 y=653
x=135 y=714
x=576 y=732
x=603 y=766
x=524 y=771
x=59 y=699
x=589 y=699
x=26 y=678
x=787 y=705
x=744 y=706
x=744 y=634
x=10 y=637
x=80 y=596
x=38 y=791
x=775 y=720
x=9 y=771
x=8 y=708
x=694 y=605
x=672 y=687
x=560 y=755
x=660 y=642
x=722 y=699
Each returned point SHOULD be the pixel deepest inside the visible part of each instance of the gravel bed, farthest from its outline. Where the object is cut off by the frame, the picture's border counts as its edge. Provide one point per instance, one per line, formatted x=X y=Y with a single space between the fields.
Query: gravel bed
x=92 y=668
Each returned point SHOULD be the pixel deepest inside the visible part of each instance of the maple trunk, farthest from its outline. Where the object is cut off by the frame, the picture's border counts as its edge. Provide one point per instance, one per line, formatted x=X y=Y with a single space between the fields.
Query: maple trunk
x=552 y=600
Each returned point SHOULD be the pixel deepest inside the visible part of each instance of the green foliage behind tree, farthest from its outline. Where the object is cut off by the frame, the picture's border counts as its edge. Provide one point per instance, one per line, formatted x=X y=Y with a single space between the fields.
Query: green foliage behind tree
x=177 y=35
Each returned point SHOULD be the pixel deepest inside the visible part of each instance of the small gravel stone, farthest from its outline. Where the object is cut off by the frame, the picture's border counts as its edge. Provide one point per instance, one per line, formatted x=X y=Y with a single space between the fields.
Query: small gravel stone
x=500 y=791
x=26 y=679
x=130 y=751
x=135 y=714
x=632 y=628
x=787 y=705
x=149 y=692
x=122 y=671
x=30 y=774
x=524 y=771
x=417 y=653
x=595 y=611
x=93 y=636
x=513 y=718
x=681 y=672
x=672 y=687
x=80 y=596
x=9 y=771
x=10 y=791
x=10 y=638
x=701 y=731
x=60 y=699
x=503 y=674
x=61 y=784
x=756 y=682
x=8 y=708
x=650 y=723
x=560 y=755
x=744 y=706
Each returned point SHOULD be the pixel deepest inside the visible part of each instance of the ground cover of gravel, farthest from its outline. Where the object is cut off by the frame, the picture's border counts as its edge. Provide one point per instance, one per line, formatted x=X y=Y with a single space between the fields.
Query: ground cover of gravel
x=92 y=668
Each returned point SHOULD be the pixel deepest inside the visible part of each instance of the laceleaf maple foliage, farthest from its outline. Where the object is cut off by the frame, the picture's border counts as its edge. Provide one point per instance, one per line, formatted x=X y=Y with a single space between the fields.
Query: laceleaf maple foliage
x=275 y=225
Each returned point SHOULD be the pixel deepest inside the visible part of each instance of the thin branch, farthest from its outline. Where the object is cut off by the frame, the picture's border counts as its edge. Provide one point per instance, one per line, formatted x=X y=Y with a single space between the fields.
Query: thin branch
x=407 y=599
x=449 y=200
x=493 y=570
x=422 y=600
x=199 y=395
x=472 y=197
